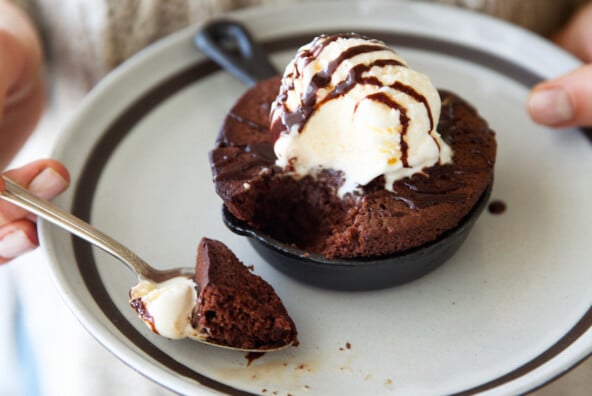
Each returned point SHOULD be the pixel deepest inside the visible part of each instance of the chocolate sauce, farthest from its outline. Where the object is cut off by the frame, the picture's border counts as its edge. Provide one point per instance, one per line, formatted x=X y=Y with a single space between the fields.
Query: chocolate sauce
x=438 y=184
x=252 y=124
x=403 y=120
x=399 y=86
x=251 y=356
x=419 y=200
x=497 y=207
x=416 y=198
x=317 y=46
x=322 y=80
x=261 y=150
x=138 y=305
x=253 y=157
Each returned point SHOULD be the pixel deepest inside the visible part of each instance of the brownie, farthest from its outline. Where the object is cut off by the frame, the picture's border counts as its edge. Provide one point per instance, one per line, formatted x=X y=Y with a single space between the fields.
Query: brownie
x=374 y=222
x=236 y=307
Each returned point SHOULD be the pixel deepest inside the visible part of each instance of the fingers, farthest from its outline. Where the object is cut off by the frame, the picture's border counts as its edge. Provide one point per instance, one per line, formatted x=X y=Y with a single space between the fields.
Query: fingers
x=21 y=103
x=17 y=238
x=577 y=35
x=18 y=234
x=565 y=101
x=44 y=178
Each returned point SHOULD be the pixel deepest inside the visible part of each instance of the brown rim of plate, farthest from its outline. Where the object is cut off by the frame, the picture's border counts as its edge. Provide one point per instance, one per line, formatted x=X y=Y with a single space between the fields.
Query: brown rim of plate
x=150 y=99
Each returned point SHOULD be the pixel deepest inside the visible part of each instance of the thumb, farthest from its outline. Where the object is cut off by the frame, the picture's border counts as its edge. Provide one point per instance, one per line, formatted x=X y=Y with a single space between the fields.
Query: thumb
x=564 y=101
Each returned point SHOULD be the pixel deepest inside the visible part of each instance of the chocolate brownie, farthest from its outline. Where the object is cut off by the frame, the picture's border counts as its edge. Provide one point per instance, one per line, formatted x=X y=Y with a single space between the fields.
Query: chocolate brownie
x=236 y=307
x=309 y=213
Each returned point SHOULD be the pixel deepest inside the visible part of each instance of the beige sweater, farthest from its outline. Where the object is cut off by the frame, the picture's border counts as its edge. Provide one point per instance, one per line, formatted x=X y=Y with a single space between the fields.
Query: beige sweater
x=107 y=32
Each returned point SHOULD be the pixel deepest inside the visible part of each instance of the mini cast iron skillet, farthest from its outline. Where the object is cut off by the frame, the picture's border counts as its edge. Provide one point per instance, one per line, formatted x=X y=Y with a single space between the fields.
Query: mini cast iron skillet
x=231 y=46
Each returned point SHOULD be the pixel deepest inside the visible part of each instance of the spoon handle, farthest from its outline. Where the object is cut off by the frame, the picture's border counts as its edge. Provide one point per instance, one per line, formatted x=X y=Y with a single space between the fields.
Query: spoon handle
x=19 y=196
x=231 y=46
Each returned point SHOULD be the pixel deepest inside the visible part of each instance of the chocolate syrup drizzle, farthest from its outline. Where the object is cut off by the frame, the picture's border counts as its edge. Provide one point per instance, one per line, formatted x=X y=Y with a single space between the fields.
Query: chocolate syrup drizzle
x=403 y=119
x=250 y=123
x=228 y=167
x=138 y=305
x=322 y=80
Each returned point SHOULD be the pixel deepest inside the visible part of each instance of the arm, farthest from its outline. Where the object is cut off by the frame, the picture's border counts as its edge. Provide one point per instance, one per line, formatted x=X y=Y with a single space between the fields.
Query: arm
x=21 y=85
x=21 y=104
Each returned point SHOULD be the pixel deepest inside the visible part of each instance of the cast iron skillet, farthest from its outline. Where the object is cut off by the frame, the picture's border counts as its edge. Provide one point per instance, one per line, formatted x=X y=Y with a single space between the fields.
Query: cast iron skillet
x=230 y=45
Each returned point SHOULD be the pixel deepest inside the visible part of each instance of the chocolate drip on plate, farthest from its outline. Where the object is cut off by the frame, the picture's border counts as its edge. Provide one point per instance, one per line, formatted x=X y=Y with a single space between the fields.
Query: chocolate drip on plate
x=497 y=207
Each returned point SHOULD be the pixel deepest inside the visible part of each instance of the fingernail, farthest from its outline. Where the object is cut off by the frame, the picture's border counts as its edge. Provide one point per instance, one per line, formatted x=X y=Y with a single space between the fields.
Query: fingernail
x=551 y=106
x=15 y=244
x=48 y=184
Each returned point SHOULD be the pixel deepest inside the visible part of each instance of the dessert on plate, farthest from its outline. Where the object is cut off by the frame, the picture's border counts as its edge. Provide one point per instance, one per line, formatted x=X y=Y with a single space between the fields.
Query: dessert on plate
x=351 y=153
x=225 y=304
x=236 y=307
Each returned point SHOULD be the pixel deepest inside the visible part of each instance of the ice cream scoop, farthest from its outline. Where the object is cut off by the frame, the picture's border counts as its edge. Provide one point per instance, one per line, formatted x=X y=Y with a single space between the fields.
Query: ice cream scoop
x=352 y=104
x=166 y=307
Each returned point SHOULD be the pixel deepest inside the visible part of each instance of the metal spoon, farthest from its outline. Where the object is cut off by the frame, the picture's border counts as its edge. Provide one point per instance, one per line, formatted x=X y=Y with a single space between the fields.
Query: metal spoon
x=21 y=197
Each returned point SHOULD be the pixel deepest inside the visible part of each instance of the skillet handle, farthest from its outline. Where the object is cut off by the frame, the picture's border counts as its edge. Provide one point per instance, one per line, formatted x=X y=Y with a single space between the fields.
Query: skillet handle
x=231 y=46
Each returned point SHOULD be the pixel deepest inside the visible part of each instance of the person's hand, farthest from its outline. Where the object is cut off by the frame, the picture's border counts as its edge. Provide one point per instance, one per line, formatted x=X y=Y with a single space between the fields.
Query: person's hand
x=18 y=231
x=567 y=100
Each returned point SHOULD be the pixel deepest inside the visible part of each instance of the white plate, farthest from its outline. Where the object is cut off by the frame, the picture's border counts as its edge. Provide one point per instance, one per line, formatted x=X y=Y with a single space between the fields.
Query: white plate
x=509 y=312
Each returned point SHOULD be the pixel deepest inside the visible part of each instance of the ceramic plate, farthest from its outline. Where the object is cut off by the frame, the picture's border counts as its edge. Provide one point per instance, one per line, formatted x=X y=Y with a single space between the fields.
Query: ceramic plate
x=508 y=313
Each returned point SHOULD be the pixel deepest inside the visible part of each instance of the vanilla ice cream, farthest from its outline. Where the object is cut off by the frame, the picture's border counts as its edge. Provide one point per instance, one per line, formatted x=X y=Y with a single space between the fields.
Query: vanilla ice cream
x=351 y=104
x=167 y=307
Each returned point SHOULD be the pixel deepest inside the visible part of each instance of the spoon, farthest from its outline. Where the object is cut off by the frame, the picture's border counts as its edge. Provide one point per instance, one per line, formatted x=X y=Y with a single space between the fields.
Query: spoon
x=21 y=197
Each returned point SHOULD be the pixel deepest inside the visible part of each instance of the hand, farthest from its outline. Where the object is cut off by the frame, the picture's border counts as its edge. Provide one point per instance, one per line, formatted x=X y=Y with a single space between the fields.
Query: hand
x=567 y=100
x=18 y=231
